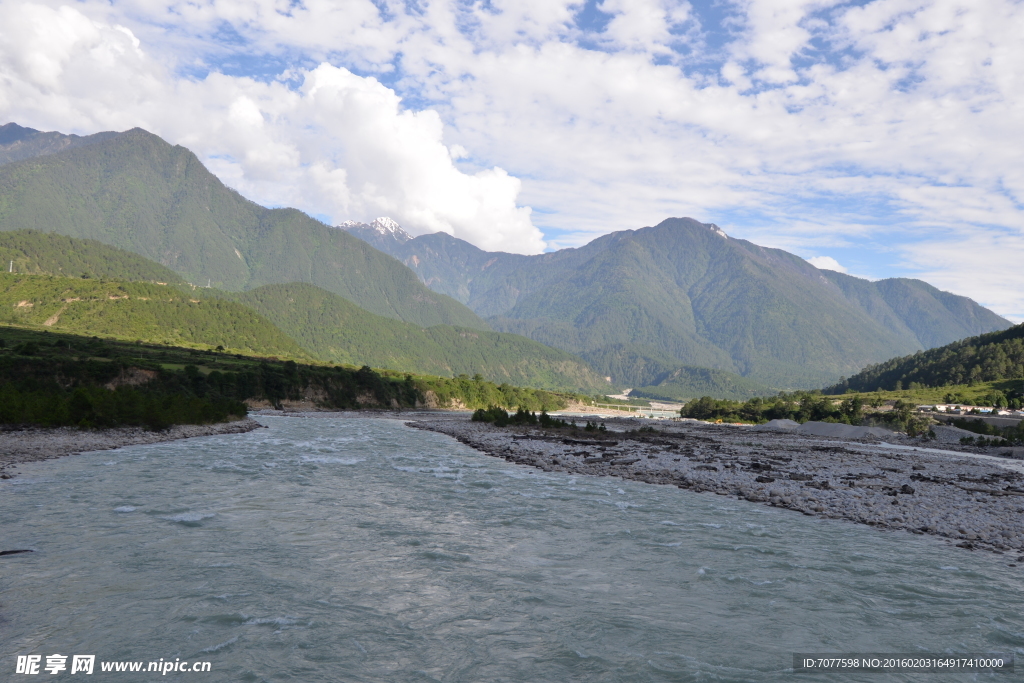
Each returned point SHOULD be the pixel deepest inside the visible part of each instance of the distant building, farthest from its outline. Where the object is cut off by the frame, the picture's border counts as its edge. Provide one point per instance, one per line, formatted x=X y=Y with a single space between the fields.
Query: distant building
x=960 y=409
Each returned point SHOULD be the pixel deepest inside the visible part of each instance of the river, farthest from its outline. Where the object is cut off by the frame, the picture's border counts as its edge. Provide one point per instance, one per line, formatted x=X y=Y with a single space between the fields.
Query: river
x=350 y=549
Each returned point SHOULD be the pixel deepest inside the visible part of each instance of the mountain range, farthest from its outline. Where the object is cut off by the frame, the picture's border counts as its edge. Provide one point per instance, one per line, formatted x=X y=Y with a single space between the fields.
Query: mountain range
x=652 y=305
x=672 y=310
x=125 y=296
x=136 y=192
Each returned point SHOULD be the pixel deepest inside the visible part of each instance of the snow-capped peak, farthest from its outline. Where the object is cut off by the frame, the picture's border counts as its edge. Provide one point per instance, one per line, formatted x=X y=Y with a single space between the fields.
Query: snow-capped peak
x=386 y=226
x=381 y=228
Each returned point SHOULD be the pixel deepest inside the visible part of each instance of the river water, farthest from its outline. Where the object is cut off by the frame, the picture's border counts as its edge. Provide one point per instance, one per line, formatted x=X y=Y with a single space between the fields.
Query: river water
x=342 y=549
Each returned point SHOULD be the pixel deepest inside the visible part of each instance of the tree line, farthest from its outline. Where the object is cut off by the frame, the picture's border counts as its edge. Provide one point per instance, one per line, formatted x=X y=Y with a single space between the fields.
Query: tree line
x=59 y=380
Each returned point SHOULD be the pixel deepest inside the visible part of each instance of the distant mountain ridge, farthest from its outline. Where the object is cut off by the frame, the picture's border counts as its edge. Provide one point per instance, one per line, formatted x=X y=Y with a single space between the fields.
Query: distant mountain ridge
x=18 y=142
x=134 y=191
x=684 y=293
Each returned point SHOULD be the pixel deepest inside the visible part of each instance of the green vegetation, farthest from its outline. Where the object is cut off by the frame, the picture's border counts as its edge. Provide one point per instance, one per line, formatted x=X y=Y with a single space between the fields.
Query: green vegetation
x=463 y=392
x=993 y=357
x=1012 y=398
x=51 y=378
x=803 y=406
x=798 y=406
x=998 y=436
x=637 y=304
x=336 y=331
x=29 y=252
x=645 y=307
x=978 y=394
x=501 y=418
x=134 y=191
x=93 y=407
x=140 y=311
x=328 y=327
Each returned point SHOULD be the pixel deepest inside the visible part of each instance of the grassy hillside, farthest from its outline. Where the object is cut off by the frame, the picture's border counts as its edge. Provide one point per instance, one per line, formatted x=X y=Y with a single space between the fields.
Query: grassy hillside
x=134 y=191
x=51 y=378
x=337 y=331
x=139 y=311
x=637 y=303
x=985 y=358
x=32 y=252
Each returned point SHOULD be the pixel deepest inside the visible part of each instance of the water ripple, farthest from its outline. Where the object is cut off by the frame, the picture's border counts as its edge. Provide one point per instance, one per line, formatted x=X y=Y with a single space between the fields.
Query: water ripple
x=327 y=549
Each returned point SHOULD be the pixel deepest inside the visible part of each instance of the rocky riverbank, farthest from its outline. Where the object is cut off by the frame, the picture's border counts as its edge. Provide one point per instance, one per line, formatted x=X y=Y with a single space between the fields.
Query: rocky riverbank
x=973 y=499
x=34 y=444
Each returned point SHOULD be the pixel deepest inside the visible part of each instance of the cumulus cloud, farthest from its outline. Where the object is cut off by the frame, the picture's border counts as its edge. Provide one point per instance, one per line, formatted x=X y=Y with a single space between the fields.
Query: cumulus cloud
x=645 y=25
x=826 y=263
x=820 y=123
x=339 y=144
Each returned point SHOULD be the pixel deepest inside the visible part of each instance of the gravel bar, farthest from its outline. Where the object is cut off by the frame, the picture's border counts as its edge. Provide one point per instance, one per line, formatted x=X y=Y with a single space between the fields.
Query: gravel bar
x=34 y=444
x=974 y=499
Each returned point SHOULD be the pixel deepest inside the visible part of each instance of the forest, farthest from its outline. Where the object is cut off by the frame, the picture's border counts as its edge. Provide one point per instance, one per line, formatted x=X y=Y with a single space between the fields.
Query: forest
x=54 y=379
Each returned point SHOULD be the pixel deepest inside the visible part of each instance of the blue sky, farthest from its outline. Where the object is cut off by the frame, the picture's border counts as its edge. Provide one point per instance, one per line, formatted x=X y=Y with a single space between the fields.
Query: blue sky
x=878 y=137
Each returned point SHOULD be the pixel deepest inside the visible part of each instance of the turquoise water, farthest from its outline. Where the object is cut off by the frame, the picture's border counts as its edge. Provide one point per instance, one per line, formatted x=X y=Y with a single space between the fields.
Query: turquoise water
x=362 y=550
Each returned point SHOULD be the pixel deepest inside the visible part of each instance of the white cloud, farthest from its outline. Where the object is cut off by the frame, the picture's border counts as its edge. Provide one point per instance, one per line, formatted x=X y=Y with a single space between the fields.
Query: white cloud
x=644 y=25
x=826 y=263
x=820 y=123
x=985 y=266
x=340 y=144
x=776 y=31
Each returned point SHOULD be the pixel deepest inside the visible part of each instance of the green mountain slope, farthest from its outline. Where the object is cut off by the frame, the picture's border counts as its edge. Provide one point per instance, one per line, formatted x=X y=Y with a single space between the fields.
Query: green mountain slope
x=985 y=358
x=134 y=191
x=684 y=384
x=337 y=331
x=139 y=311
x=33 y=252
x=327 y=326
x=913 y=307
x=684 y=294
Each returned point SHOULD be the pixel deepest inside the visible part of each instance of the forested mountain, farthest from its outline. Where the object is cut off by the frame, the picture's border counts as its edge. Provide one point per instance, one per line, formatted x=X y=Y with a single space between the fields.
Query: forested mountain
x=125 y=296
x=640 y=304
x=134 y=191
x=985 y=358
x=335 y=330
x=649 y=307
x=913 y=308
